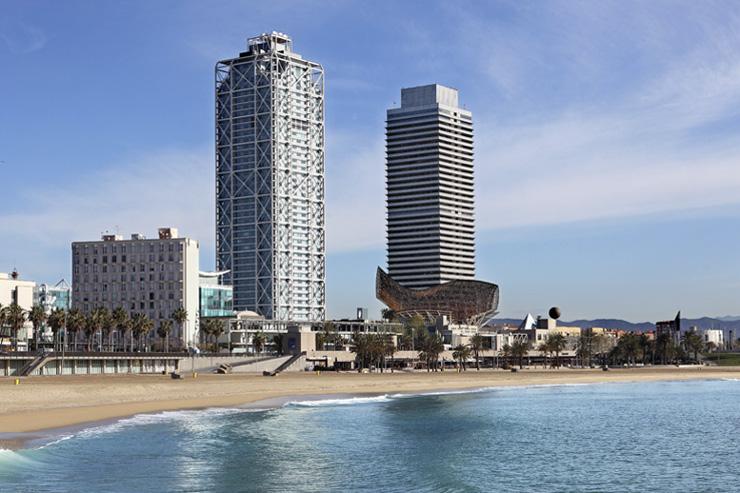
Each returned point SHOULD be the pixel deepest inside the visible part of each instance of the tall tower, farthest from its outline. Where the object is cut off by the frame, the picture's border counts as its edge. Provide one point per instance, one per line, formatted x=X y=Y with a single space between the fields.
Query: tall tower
x=270 y=180
x=429 y=173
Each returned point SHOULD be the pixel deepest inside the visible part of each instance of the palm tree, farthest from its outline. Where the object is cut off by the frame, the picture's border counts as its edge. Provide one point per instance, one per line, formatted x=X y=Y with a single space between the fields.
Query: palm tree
x=15 y=317
x=180 y=316
x=258 y=341
x=557 y=343
x=406 y=340
x=75 y=323
x=2 y=322
x=122 y=323
x=217 y=330
x=461 y=353
x=140 y=325
x=693 y=343
x=165 y=326
x=544 y=348
x=277 y=341
x=432 y=348
x=519 y=350
x=388 y=314
x=57 y=319
x=97 y=319
x=206 y=327
x=506 y=353
x=476 y=345
x=37 y=316
x=663 y=345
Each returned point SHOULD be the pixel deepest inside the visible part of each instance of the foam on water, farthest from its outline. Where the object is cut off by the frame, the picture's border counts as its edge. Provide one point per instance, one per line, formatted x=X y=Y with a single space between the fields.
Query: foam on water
x=349 y=401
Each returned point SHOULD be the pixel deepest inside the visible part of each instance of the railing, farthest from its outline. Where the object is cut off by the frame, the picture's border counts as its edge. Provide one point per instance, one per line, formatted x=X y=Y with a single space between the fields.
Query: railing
x=33 y=364
x=287 y=364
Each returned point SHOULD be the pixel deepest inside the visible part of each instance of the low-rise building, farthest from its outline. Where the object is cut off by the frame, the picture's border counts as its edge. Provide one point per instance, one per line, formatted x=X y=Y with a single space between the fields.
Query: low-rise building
x=14 y=290
x=150 y=276
x=714 y=336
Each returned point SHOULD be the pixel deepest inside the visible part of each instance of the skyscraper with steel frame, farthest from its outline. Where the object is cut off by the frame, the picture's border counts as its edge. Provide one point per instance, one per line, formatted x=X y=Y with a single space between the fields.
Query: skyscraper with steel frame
x=429 y=173
x=270 y=180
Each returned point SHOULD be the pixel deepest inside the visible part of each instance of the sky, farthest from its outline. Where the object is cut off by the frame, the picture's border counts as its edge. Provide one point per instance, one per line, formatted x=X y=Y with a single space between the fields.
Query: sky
x=607 y=137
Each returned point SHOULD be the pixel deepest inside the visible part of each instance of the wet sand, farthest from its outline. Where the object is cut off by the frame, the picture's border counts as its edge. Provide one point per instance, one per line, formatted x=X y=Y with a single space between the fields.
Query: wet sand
x=43 y=403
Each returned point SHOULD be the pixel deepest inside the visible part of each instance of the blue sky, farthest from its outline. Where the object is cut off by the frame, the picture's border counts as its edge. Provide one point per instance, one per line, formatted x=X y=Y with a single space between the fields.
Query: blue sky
x=607 y=137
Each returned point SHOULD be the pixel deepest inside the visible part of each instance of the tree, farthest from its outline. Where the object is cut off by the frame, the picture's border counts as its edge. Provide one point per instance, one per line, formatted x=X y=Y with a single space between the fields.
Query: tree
x=258 y=341
x=122 y=323
x=600 y=346
x=15 y=317
x=388 y=314
x=461 y=353
x=406 y=340
x=693 y=342
x=2 y=322
x=216 y=329
x=556 y=343
x=97 y=320
x=476 y=346
x=106 y=329
x=519 y=350
x=180 y=316
x=37 y=317
x=140 y=325
x=57 y=319
x=545 y=349
x=433 y=345
x=165 y=326
x=506 y=353
x=663 y=345
x=75 y=323
x=277 y=341
x=418 y=330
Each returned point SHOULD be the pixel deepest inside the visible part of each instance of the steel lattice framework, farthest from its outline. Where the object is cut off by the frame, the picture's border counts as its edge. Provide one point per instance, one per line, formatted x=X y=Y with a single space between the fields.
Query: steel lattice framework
x=270 y=180
x=463 y=301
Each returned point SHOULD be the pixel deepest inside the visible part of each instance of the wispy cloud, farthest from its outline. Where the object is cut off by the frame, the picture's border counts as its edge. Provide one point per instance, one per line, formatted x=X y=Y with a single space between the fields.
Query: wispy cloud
x=168 y=188
x=21 y=38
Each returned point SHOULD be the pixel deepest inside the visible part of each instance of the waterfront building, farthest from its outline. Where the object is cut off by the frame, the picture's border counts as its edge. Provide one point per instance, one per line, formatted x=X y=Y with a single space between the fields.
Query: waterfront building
x=54 y=296
x=150 y=276
x=429 y=186
x=216 y=300
x=270 y=180
x=670 y=327
x=14 y=290
x=715 y=336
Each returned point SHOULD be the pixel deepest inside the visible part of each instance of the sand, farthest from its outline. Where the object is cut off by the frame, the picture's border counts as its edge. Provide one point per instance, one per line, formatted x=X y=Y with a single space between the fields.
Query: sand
x=43 y=403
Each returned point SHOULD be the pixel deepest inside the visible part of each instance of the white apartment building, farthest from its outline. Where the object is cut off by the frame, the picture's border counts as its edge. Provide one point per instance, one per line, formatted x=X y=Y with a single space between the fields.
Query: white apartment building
x=150 y=276
x=15 y=290
x=716 y=336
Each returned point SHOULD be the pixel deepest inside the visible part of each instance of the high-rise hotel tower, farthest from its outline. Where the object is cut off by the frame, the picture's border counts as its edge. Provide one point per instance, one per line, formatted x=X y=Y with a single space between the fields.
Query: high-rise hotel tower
x=270 y=180
x=429 y=172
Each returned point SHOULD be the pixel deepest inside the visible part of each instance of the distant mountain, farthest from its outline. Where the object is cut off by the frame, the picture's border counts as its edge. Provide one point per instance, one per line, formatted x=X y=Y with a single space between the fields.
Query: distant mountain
x=725 y=323
x=730 y=318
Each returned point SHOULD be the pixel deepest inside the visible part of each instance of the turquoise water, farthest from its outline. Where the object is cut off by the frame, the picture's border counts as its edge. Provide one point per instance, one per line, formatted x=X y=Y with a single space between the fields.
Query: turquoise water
x=658 y=437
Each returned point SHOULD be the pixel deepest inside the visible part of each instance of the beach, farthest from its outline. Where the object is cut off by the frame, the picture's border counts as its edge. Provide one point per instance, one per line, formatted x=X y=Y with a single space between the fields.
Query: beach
x=43 y=403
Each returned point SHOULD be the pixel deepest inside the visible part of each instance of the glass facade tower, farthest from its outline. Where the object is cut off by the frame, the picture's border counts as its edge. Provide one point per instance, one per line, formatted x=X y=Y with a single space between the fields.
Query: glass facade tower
x=270 y=180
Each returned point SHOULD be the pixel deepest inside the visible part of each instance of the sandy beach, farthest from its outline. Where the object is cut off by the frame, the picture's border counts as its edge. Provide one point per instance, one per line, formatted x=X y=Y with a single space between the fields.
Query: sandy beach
x=43 y=403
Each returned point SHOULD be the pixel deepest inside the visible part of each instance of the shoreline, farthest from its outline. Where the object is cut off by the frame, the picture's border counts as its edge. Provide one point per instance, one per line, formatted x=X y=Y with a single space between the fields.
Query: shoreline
x=43 y=407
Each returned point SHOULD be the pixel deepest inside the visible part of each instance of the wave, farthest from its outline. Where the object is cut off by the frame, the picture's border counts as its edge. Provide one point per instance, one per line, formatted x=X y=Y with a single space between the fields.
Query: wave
x=143 y=419
x=349 y=401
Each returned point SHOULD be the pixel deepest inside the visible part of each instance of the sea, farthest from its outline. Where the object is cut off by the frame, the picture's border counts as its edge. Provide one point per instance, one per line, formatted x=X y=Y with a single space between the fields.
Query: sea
x=612 y=437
